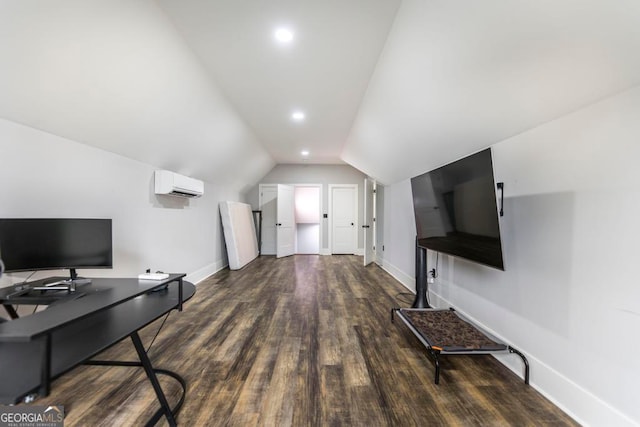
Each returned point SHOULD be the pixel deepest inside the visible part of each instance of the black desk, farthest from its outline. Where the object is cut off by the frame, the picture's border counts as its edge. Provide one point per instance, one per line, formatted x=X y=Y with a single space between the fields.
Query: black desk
x=36 y=349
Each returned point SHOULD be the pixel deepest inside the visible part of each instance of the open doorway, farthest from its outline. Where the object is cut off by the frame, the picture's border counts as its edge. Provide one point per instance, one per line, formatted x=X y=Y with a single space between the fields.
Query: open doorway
x=307 y=213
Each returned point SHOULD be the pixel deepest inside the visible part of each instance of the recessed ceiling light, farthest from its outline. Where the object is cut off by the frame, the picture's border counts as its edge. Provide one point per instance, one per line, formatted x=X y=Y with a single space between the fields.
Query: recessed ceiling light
x=284 y=35
x=297 y=116
x=304 y=153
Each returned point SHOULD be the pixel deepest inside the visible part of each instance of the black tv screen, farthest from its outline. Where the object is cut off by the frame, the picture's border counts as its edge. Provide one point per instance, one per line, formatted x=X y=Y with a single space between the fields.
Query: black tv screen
x=456 y=211
x=44 y=244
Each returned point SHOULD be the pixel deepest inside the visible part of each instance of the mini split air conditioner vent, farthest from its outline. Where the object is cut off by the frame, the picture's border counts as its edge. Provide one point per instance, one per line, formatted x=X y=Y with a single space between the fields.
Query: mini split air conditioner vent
x=173 y=184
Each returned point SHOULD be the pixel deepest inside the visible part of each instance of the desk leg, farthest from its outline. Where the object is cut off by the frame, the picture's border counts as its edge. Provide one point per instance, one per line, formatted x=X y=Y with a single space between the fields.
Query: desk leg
x=148 y=368
x=45 y=369
x=11 y=311
x=180 y=294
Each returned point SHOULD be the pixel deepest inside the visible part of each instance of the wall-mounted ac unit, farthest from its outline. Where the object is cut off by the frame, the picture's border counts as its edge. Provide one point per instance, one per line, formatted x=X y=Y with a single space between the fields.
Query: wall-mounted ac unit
x=174 y=184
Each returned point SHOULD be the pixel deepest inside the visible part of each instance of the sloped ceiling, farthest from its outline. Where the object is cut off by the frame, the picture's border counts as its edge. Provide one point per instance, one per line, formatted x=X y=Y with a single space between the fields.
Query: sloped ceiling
x=456 y=76
x=116 y=75
x=392 y=87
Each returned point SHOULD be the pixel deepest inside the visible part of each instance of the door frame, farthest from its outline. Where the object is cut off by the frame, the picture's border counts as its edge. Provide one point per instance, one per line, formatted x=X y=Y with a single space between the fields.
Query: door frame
x=330 y=211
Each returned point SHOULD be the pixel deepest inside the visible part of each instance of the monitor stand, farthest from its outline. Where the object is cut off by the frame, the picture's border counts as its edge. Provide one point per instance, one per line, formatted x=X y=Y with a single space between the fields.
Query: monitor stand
x=62 y=285
x=422 y=287
x=68 y=285
x=75 y=280
x=72 y=281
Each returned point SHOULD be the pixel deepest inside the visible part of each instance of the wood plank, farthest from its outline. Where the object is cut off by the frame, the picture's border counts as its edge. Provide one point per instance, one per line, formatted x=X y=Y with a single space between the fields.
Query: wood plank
x=300 y=341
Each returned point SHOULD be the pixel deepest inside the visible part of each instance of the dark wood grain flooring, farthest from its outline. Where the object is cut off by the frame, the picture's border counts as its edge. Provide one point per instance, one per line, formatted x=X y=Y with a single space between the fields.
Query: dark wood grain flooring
x=300 y=341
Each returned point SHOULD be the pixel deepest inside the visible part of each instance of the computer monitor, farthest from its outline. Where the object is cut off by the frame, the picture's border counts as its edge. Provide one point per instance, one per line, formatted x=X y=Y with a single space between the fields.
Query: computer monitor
x=29 y=244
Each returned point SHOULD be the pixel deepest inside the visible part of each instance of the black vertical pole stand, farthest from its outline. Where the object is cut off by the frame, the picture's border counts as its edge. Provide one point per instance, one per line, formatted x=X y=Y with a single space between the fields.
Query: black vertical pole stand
x=421 y=278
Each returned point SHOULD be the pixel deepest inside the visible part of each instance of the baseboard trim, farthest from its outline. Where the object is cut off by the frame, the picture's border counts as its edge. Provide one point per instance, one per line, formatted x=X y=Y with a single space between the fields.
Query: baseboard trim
x=205 y=272
x=406 y=280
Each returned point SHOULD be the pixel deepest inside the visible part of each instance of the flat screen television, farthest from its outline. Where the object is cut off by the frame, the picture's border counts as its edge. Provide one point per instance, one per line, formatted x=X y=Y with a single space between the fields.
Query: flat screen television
x=456 y=210
x=29 y=244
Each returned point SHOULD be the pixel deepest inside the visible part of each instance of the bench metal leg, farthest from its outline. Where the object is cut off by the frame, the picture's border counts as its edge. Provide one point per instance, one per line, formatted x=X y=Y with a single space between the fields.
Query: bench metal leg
x=436 y=361
x=524 y=360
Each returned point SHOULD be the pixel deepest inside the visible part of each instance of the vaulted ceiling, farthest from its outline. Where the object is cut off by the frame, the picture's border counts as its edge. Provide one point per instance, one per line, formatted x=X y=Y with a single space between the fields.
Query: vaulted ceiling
x=323 y=71
x=391 y=87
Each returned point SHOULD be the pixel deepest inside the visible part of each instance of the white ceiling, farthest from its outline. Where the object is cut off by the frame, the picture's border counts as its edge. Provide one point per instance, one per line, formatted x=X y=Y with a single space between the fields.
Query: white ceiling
x=324 y=71
x=391 y=87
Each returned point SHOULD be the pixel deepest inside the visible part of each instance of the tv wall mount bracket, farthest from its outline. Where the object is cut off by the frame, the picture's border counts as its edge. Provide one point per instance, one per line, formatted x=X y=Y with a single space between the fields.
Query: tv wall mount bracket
x=500 y=186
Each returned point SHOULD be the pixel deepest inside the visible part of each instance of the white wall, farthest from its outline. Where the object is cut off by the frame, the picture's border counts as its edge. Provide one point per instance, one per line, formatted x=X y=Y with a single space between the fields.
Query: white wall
x=399 y=233
x=44 y=175
x=569 y=298
x=316 y=174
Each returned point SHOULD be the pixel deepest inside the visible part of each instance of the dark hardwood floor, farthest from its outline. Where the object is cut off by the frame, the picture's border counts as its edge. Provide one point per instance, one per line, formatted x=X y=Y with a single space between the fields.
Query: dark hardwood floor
x=301 y=341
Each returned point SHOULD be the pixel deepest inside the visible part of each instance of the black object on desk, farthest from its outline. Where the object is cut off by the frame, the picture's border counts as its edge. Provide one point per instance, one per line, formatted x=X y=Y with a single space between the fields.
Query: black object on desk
x=38 y=348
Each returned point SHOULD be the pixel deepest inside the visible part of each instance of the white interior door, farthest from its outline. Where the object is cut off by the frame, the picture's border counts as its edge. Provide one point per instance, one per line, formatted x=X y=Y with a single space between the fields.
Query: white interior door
x=268 y=200
x=344 y=208
x=285 y=221
x=369 y=221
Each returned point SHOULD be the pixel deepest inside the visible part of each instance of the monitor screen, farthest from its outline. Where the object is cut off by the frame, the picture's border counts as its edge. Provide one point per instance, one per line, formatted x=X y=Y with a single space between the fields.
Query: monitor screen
x=456 y=211
x=45 y=244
